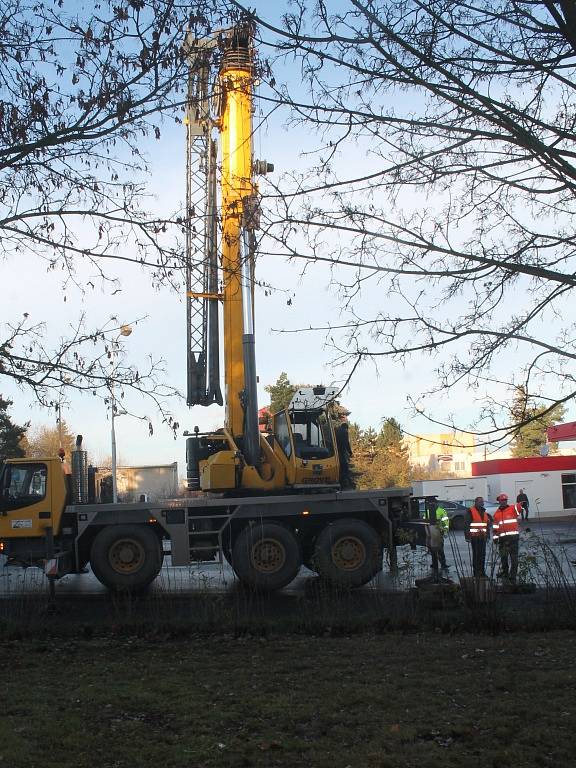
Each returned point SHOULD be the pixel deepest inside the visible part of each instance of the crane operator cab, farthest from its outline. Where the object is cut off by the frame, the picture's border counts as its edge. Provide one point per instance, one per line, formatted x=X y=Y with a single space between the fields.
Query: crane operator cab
x=303 y=439
x=299 y=453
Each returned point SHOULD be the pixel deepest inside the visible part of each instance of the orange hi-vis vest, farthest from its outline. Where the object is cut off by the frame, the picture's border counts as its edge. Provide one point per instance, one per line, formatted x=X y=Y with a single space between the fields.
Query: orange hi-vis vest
x=506 y=523
x=478 y=524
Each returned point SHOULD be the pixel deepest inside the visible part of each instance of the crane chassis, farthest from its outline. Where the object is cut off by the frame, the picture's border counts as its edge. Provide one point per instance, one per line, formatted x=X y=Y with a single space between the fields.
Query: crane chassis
x=341 y=535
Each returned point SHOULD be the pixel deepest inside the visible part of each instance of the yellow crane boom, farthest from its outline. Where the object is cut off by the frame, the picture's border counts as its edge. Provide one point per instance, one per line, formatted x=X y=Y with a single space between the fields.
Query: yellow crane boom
x=301 y=449
x=236 y=81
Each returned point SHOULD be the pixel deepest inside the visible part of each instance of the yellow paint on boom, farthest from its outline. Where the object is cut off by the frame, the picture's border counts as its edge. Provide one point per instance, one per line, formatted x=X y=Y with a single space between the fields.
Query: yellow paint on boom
x=236 y=142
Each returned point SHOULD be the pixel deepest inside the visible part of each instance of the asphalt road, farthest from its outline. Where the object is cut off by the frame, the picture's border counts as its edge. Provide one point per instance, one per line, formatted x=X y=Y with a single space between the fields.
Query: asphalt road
x=546 y=552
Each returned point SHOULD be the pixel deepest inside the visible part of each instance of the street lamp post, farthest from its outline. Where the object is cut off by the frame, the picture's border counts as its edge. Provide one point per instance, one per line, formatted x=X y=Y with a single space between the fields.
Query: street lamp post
x=65 y=380
x=125 y=330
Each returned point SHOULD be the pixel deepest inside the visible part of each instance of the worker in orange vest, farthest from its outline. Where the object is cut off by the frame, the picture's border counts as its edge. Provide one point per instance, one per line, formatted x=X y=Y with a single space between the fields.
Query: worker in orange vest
x=506 y=531
x=476 y=532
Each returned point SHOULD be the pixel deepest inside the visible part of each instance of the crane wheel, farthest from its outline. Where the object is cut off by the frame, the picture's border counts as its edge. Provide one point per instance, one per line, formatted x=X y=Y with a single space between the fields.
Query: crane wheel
x=126 y=557
x=348 y=553
x=266 y=556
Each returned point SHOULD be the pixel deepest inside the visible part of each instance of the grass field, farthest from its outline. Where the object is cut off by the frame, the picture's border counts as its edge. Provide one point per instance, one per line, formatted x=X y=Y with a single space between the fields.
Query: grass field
x=374 y=701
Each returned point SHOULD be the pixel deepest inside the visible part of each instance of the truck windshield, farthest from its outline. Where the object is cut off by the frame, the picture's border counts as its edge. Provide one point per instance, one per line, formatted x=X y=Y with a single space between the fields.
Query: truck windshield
x=312 y=434
x=24 y=482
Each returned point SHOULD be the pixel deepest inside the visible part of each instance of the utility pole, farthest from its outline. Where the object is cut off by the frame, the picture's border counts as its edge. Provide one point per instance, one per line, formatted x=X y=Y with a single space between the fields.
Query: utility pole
x=125 y=330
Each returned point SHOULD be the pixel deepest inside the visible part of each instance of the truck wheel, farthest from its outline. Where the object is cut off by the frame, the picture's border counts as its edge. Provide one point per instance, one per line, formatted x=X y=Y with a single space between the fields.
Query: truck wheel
x=227 y=547
x=308 y=553
x=266 y=556
x=126 y=557
x=310 y=563
x=348 y=553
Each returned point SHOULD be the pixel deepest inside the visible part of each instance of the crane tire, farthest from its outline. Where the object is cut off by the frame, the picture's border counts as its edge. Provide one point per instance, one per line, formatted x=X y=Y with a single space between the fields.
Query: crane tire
x=348 y=553
x=266 y=556
x=227 y=547
x=126 y=557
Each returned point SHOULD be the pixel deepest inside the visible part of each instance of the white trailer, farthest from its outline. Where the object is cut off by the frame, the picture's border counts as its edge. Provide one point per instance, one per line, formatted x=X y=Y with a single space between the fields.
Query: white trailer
x=462 y=489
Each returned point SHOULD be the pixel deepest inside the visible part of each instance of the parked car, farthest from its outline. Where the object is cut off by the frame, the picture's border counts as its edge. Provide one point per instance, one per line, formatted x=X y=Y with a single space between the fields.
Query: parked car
x=456 y=511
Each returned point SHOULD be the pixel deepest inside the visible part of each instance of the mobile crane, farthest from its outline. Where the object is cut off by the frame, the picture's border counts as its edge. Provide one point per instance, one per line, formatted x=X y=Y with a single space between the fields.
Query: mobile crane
x=300 y=451
x=267 y=504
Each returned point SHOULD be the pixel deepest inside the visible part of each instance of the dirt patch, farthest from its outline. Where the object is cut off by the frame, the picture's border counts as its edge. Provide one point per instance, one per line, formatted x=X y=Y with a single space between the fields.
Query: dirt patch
x=382 y=701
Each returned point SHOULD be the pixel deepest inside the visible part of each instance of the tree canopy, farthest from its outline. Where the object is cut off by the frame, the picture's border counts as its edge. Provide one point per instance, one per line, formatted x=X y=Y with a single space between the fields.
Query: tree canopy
x=47 y=441
x=280 y=392
x=11 y=435
x=381 y=459
x=445 y=169
x=82 y=87
x=533 y=420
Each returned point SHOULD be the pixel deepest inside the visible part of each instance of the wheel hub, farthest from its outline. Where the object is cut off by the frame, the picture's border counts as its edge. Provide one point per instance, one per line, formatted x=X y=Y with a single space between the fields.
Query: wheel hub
x=126 y=556
x=268 y=555
x=348 y=553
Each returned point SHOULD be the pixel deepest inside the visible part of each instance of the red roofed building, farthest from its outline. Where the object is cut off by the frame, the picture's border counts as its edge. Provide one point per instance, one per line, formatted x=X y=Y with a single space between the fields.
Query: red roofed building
x=548 y=481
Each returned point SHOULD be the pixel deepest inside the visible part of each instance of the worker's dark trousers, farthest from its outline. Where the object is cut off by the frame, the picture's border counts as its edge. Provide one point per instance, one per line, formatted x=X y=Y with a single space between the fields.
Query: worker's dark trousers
x=508 y=547
x=442 y=556
x=346 y=477
x=438 y=555
x=478 y=555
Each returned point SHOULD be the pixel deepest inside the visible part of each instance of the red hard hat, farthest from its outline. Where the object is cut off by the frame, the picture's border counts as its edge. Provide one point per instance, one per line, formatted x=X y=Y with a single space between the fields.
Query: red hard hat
x=502 y=497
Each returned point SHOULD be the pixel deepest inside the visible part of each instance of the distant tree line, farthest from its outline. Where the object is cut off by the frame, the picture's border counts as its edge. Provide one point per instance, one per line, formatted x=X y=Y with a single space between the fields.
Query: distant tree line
x=381 y=458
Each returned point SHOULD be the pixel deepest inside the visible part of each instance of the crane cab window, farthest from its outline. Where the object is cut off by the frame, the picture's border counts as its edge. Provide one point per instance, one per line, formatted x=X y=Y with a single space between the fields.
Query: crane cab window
x=23 y=485
x=312 y=435
x=282 y=433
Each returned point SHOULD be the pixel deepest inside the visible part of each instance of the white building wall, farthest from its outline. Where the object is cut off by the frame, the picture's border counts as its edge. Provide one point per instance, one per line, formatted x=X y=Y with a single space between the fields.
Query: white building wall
x=544 y=490
x=453 y=489
x=153 y=482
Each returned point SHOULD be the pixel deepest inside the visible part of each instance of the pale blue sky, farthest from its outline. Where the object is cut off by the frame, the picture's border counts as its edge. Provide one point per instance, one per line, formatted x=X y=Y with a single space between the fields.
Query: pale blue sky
x=372 y=395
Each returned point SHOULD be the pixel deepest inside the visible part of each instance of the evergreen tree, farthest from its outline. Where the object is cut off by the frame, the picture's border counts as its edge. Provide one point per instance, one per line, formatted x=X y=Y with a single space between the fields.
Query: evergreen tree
x=10 y=434
x=391 y=434
x=380 y=458
x=280 y=393
x=393 y=457
x=533 y=422
x=363 y=442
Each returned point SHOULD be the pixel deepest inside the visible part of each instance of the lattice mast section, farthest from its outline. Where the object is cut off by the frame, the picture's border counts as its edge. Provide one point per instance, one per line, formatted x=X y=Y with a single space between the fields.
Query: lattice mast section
x=203 y=354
